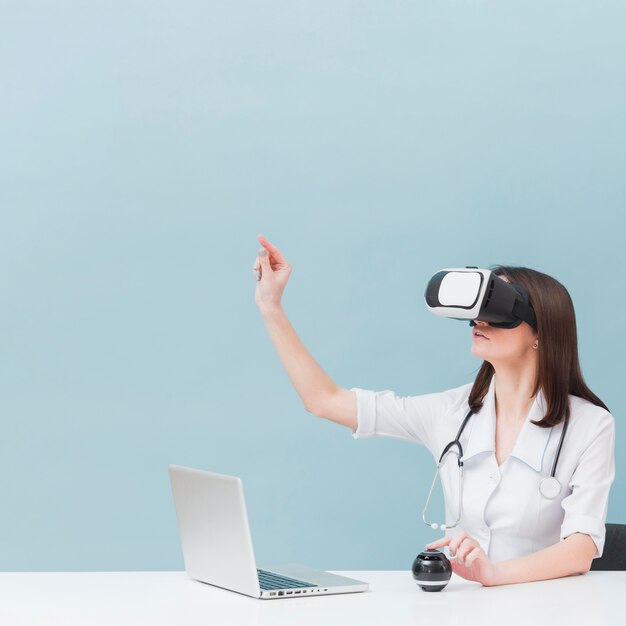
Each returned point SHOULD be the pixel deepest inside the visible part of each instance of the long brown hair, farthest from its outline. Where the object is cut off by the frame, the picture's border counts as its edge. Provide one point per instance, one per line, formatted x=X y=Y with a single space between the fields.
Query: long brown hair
x=558 y=371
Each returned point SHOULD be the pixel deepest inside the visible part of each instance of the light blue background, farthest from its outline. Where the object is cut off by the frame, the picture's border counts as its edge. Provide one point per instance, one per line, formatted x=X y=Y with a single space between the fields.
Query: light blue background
x=144 y=144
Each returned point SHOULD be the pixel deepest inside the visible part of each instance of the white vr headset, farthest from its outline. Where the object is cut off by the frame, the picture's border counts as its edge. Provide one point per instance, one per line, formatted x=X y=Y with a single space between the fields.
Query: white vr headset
x=470 y=293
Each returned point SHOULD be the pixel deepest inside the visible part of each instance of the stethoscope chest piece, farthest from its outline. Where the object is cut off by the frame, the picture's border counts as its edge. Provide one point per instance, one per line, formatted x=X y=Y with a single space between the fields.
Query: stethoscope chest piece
x=550 y=487
x=431 y=570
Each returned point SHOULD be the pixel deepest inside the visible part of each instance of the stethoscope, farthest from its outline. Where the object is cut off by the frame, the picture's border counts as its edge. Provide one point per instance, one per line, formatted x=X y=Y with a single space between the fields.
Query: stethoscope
x=549 y=487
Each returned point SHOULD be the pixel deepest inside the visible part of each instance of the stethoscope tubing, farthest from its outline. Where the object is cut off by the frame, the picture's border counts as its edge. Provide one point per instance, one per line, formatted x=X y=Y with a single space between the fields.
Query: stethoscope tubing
x=549 y=487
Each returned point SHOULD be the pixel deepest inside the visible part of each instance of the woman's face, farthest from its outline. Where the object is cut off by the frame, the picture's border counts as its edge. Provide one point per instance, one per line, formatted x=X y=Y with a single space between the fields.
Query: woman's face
x=502 y=344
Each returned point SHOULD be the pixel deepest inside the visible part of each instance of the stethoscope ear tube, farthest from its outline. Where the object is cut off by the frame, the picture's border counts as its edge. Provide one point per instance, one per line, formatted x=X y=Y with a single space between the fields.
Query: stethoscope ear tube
x=434 y=525
x=459 y=459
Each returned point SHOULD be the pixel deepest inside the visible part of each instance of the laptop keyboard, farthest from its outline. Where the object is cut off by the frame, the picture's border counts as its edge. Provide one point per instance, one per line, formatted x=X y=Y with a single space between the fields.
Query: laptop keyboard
x=269 y=580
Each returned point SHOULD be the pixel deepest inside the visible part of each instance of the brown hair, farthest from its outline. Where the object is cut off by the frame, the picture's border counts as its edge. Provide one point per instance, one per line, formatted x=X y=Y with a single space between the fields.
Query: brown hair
x=558 y=371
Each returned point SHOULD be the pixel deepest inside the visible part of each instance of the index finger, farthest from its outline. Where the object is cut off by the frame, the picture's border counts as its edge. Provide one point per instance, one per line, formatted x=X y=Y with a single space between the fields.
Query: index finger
x=444 y=541
x=272 y=248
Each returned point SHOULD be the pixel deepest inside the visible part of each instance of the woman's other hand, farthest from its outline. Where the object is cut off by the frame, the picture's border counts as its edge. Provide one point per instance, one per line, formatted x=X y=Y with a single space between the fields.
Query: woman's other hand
x=467 y=558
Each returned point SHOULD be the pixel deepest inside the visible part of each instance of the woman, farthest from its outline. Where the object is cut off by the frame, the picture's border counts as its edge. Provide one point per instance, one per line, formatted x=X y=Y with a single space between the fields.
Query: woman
x=527 y=388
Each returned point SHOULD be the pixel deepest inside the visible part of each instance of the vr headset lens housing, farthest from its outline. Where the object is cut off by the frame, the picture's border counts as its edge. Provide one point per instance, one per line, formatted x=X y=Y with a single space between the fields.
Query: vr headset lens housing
x=459 y=289
x=471 y=293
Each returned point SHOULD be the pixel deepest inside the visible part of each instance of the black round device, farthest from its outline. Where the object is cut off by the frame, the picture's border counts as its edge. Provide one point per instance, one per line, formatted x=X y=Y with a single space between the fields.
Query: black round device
x=431 y=570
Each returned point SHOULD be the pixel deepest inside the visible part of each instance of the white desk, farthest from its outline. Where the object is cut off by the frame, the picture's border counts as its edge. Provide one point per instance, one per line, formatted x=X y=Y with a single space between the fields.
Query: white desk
x=159 y=598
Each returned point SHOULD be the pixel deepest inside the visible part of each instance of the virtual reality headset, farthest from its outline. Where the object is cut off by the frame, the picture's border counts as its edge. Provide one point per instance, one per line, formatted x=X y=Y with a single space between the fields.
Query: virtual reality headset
x=470 y=293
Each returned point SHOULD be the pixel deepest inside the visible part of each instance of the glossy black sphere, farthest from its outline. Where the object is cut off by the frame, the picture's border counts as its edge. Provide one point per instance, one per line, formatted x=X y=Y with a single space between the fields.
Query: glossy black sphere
x=431 y=570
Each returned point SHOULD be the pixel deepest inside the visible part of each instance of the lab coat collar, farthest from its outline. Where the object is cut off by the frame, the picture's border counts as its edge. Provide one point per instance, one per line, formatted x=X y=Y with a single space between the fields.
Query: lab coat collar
x=531 y=442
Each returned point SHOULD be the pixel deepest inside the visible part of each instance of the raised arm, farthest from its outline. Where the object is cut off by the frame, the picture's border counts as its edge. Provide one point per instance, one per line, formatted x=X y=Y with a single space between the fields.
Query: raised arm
x=319 y=394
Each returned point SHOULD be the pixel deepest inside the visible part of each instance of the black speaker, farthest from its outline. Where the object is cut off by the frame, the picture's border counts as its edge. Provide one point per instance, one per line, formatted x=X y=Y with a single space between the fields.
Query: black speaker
x=431 y=570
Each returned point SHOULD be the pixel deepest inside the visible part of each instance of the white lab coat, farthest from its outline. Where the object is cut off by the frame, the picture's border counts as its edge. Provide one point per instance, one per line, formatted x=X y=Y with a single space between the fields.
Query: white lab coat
x=502 y=506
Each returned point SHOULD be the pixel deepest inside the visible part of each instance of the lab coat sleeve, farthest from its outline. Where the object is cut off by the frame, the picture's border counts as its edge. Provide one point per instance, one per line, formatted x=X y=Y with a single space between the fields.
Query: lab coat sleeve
x=413 y=418
x=586 y=507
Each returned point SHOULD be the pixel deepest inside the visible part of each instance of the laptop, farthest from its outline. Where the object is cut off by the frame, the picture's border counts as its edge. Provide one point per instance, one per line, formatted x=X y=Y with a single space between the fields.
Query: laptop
x=217 y=544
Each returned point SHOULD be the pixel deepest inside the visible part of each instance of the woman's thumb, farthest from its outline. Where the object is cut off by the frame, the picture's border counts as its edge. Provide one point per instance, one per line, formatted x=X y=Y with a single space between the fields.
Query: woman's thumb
x=264 y=260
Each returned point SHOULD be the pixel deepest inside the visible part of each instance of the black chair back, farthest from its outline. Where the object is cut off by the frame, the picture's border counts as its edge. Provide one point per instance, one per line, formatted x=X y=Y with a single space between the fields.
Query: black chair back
x=614 y=554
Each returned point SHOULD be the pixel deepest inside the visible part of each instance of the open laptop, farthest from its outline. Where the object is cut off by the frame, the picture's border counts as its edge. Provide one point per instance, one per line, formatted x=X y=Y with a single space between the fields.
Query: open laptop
x=217 y=544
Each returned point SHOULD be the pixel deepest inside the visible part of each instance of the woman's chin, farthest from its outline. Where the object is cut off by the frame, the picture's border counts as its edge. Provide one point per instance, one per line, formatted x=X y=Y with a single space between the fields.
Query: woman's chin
x=479 y=352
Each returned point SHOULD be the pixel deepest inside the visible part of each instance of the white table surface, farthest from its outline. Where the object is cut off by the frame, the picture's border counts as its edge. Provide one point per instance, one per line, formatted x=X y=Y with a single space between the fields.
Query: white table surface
x=158 y=598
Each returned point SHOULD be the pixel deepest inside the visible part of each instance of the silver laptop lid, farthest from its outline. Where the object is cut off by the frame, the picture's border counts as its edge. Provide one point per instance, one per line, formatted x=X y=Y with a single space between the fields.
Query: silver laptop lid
x=214 y=530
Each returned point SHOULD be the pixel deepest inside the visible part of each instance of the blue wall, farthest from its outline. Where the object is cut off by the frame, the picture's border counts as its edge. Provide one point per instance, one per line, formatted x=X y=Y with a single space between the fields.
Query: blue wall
x=144 y=145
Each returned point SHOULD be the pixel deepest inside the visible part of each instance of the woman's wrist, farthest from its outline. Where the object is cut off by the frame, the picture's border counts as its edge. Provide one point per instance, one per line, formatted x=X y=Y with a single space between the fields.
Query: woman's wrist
x=271 y=310
x=496 y=576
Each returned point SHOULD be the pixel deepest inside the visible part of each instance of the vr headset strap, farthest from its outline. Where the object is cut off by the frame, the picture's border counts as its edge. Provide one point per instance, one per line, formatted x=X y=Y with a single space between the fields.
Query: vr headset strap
x=524 y=312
